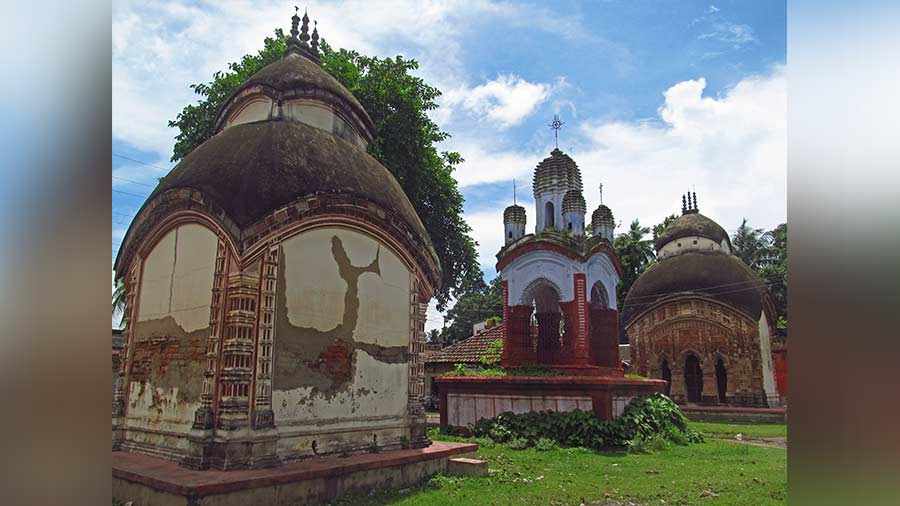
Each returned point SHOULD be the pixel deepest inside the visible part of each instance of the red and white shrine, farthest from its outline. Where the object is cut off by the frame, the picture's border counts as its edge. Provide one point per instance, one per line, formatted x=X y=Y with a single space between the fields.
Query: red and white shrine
x=559 y=309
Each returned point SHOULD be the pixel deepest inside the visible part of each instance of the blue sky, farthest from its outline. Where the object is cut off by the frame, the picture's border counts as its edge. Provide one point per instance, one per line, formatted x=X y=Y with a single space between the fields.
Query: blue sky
x=657 y=96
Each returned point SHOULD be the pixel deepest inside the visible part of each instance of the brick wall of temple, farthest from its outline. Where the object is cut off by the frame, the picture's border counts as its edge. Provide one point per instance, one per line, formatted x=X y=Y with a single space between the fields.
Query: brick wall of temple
x=713 y=333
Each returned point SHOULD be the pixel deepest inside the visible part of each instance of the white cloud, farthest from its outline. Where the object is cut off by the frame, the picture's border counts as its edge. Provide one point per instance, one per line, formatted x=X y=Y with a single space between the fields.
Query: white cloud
x=506 y=100
x=734 y=34
x=731 y=148
x=711 y=9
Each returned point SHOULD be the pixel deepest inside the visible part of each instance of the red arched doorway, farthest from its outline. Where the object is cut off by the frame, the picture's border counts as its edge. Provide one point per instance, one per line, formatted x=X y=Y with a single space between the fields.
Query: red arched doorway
x=693 y=378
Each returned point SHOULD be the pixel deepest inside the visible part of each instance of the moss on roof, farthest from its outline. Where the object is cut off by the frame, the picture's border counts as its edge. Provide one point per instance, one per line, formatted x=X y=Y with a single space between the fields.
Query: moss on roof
x=253 y=169
x=295 y=72
x=469 y=350
x=723 y=277
x=692 y=224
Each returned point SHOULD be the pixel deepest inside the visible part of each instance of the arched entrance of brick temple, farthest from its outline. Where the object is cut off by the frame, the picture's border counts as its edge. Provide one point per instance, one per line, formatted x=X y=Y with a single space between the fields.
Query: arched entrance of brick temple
x=721 y=380
x=547 y=327
x=693 y=378
x=666 y=373
x=604 y=328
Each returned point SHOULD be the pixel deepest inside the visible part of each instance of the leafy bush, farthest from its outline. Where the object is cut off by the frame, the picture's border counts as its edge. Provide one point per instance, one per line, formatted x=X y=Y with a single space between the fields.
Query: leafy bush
x=492 y=353
x=544 y=444
x=648 y=444
x=644 y=419
x=518 y=443
x=496 y=370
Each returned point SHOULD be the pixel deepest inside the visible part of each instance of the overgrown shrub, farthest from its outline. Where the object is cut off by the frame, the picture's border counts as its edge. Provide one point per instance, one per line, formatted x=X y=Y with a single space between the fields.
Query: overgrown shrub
x=518 y=443
x=544 y=444
x=645 y=418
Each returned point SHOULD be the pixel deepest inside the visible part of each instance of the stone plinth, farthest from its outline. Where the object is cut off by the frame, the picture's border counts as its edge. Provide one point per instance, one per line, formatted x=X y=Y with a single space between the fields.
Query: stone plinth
x=152 y=481
x=466 y=399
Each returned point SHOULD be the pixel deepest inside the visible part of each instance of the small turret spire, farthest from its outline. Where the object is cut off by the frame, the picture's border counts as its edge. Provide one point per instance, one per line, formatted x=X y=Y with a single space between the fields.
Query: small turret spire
x=695 y=201
x=690 y=206
x=683 y=204
x=304 y=30
x=315 y=37
x=601 y=194
x=514 y=191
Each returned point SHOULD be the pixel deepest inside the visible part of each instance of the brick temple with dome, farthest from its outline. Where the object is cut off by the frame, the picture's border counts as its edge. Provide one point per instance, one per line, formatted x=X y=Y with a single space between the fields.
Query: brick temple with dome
x=702 y=320
x=277 y=281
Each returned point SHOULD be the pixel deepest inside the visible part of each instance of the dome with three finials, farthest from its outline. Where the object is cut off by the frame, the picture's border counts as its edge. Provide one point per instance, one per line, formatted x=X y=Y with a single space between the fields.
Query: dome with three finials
x=695 y=256
x=291 y=130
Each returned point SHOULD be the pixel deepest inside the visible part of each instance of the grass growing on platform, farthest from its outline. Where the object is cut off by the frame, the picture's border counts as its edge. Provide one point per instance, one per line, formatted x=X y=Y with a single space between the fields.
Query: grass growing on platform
x=731 y=473
x=758 y=430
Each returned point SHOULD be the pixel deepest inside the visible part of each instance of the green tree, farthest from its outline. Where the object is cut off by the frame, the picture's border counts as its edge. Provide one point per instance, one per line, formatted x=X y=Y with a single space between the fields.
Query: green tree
x=635 y=253
x=405 y=143
x=476 y=306
x=659 y=228
x=751 y=244
x=118 y=301
x=774 y=268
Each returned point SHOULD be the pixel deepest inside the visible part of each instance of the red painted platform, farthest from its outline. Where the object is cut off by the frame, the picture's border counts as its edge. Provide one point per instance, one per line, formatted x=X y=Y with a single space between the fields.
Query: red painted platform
x=165 y=476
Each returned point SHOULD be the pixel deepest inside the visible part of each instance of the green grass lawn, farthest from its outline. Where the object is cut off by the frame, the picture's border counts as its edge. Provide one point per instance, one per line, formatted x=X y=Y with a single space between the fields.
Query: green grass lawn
x=747 y=429
x=738 y=474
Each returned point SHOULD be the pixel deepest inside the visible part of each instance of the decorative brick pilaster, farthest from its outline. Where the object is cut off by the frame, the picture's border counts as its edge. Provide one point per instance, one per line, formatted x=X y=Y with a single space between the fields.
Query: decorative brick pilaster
x=263 y=415
x=204 y=417
x=416 y=392
x=237 y=351
x=582 y=350
x=131 y=288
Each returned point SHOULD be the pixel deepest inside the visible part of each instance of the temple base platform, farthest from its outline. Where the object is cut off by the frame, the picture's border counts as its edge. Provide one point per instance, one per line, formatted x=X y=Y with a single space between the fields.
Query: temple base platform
x=466 y=399
x=146 y=481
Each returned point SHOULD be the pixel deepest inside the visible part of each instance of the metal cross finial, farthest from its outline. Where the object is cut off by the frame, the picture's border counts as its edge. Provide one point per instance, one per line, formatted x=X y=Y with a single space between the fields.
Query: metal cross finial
x=514 y=191
x=556 y=125
x=601 y=194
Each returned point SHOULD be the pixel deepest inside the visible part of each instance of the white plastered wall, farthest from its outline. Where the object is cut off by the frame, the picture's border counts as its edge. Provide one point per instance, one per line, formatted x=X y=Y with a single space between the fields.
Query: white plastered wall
x=315 y=298
x=177 y=282
x=560 y=270
x=692 y=243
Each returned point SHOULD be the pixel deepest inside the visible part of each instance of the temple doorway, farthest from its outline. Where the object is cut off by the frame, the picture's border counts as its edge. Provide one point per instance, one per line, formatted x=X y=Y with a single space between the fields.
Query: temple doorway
x=667 y=375
x=721 y=380
x=693 y=378
x=547 y=326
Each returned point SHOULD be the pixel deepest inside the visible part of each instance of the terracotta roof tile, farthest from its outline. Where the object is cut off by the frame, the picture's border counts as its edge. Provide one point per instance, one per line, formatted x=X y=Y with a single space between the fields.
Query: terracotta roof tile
x=469 y=350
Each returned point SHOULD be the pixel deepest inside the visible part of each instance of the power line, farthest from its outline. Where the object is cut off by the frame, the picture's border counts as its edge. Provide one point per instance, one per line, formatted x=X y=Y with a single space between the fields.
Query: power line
x=134 y=182
x=129 y=193
x=138 y=161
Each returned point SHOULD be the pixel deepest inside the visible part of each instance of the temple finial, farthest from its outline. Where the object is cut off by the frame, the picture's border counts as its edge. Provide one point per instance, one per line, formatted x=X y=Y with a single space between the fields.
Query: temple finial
x=601 y=194
x=295 y=20
x=695 y=201
x=689 y=201
x=683 y=204
x=315 y=37
x=304 y=30
x=514 y=191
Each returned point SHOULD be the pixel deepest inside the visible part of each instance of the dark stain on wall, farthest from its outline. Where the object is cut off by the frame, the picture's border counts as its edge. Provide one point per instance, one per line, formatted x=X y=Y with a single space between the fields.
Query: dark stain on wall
x=167 y=357
x=325 y=360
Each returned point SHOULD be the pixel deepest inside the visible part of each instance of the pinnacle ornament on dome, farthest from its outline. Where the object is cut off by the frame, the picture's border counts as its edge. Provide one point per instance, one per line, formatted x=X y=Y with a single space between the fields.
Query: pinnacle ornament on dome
x=298 y=42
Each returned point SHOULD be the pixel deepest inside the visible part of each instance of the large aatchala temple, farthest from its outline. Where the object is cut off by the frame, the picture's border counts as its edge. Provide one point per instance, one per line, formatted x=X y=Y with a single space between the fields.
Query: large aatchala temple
x=277 y=281
x=701 y=319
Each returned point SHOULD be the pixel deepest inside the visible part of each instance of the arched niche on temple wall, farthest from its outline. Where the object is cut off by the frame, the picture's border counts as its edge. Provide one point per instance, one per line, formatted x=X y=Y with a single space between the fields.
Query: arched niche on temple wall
x=170 y=326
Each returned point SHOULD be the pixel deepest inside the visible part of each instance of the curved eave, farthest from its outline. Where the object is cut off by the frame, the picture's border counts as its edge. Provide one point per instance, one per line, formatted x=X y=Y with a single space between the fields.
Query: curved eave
x=352 y=111
x=680 y=296
x=574 y=251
